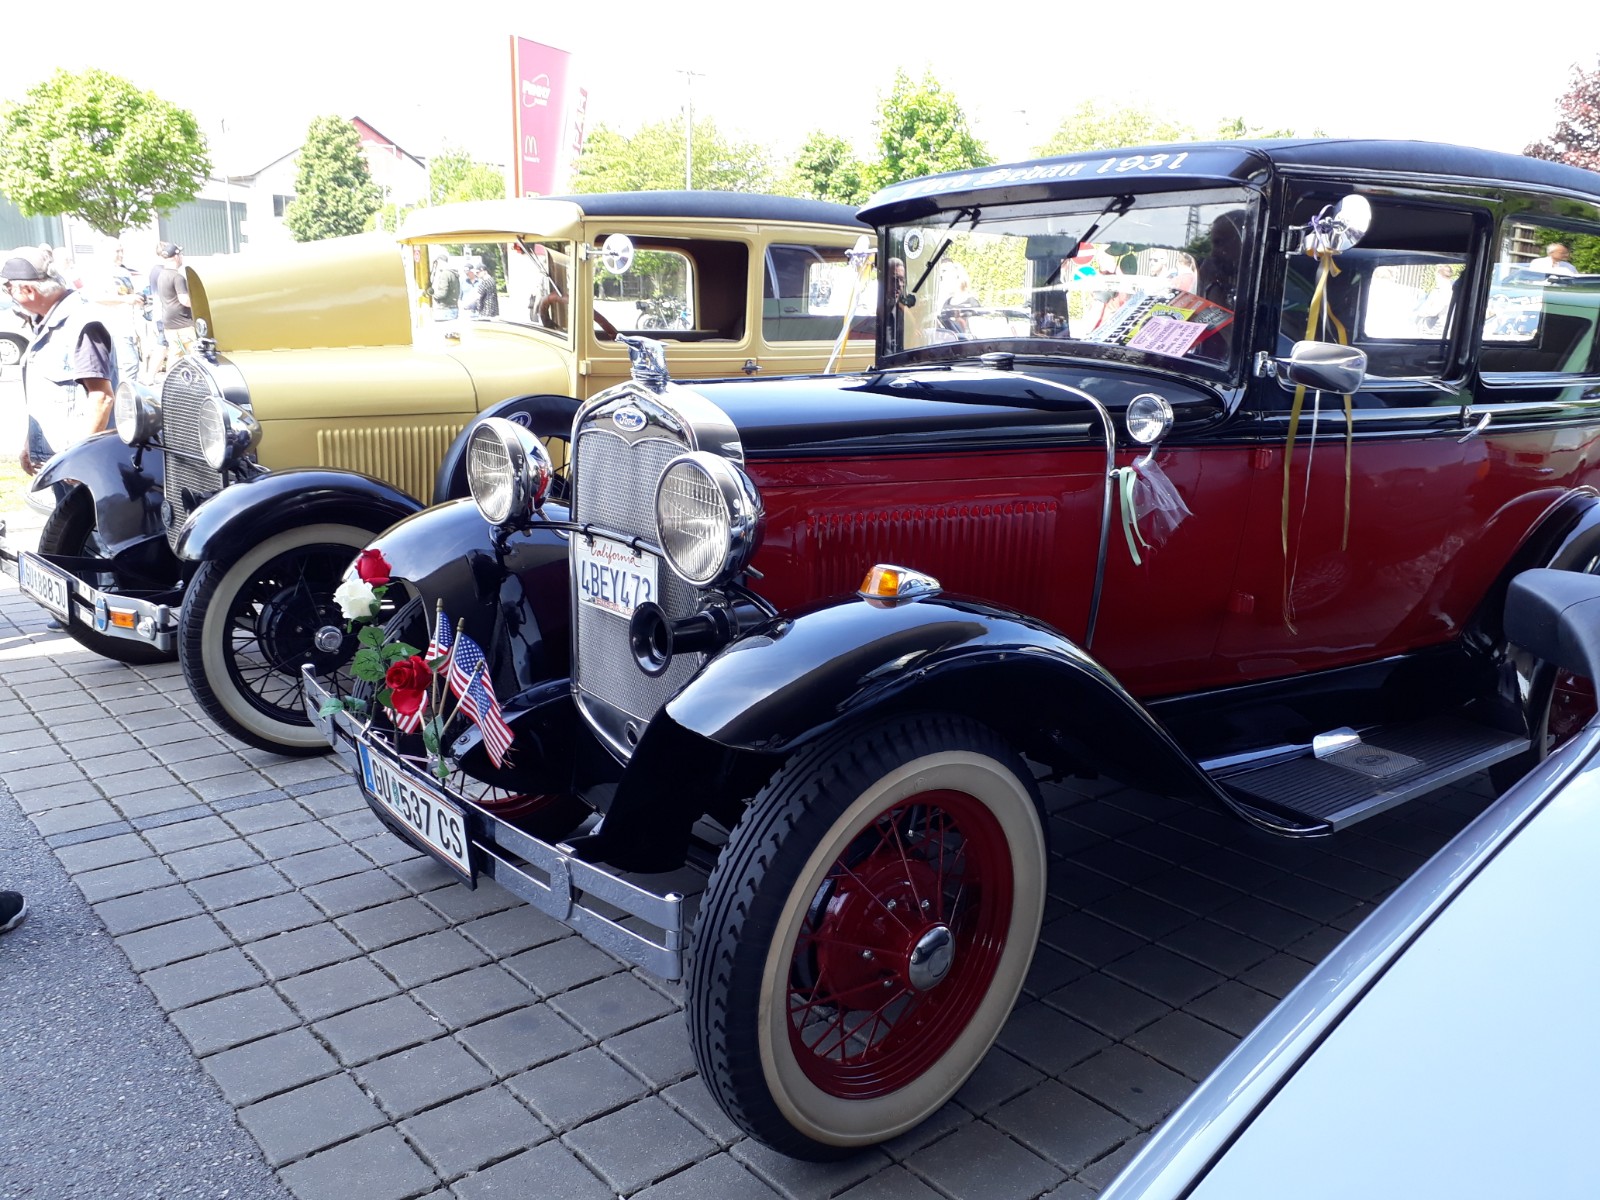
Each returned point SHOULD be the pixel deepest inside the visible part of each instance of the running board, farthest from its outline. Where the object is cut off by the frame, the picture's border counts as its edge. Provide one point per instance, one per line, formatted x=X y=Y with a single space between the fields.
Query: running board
x=1371 y=775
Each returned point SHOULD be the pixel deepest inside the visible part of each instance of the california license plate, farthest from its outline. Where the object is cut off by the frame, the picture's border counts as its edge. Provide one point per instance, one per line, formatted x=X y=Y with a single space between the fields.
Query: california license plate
x=613 y=577
x=45 y=583
x=436 y=822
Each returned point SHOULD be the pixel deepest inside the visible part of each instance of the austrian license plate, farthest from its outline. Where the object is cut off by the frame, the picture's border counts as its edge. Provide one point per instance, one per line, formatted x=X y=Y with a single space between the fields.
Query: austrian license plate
x=437 y=822
x=613 y=577
x=45 y=583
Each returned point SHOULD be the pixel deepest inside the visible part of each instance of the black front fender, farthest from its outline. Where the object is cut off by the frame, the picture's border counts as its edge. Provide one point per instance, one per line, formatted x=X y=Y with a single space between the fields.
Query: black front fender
x=248 y=510
x=124 y=482
x=548 y=416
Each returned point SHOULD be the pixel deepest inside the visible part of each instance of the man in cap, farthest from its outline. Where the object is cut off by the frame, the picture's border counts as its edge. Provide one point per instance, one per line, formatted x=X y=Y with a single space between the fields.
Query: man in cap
x=69 y=373
x=172 y=293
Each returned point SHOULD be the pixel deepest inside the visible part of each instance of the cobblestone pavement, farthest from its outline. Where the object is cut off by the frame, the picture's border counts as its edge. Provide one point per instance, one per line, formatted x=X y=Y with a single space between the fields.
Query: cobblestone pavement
x=384 y=1032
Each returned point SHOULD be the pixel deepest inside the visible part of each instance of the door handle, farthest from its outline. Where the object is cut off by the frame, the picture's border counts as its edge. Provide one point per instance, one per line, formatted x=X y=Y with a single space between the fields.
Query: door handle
x=1483 y=423
x=751 y=366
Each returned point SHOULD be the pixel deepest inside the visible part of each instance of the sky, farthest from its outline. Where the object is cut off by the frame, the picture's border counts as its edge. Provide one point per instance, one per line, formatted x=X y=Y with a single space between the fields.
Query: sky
x=437 y=75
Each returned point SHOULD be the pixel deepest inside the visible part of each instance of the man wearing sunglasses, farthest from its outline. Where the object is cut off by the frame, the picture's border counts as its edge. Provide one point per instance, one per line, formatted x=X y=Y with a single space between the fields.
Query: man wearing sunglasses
x=69 y=373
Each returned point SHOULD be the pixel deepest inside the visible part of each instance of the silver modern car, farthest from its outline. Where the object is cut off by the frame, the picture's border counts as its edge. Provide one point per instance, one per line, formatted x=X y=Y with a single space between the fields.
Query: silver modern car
x=1450 y=1046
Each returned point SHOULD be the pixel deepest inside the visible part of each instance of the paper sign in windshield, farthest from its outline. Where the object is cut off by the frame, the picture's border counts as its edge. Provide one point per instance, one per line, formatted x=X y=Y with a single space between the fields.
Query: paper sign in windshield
x=1167 y=335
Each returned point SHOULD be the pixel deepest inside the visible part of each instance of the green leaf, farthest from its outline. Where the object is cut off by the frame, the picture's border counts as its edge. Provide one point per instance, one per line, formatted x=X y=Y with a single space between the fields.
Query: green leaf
x=441 y=769
x=367 y=665
x=332 y=704
x=395 y=651
x=430 y=737
x=370 y=635
x=352 y=704
x=385 y=697
x=405 y=650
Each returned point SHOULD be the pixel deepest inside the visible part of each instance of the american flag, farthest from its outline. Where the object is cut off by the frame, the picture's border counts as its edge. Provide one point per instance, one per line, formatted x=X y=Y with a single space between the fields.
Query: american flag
x=412 y=723
x=439 y=644
x=469 y=679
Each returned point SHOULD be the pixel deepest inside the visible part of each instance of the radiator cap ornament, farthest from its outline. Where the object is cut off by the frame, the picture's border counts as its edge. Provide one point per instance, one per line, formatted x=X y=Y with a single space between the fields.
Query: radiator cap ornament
x=649 y=359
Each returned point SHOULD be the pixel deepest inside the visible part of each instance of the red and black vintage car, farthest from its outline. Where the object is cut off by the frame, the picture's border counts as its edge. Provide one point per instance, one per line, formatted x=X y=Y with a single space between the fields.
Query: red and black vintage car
x=1202 y=467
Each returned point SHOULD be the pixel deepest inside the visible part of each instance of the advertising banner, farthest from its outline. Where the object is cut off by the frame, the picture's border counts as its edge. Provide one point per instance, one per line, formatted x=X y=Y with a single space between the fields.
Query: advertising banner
x=539 y=77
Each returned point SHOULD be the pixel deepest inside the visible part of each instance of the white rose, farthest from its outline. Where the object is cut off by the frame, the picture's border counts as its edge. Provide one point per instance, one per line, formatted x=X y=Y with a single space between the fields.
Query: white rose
x=356 y=599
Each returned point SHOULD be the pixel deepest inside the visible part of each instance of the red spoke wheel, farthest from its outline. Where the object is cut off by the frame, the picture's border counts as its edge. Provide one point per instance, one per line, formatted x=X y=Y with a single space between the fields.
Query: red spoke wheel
x=866 y=932
x=1566 y=703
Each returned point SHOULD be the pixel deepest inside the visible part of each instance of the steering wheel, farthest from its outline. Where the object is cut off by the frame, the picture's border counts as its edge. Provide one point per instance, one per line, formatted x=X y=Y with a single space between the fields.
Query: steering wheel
x=608 y=331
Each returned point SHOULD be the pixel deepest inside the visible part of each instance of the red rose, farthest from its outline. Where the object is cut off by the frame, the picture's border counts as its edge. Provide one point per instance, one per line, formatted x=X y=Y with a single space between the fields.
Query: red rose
x=409 y=674
x=372 y=567
x=406 y=701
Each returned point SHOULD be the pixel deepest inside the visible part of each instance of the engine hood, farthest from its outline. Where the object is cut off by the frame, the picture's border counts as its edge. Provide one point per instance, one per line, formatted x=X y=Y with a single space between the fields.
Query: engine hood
x=936 y=408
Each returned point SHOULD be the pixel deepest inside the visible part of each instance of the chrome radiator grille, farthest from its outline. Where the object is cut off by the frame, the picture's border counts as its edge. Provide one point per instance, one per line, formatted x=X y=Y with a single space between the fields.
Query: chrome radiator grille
x=185 y=389
x=616 y=490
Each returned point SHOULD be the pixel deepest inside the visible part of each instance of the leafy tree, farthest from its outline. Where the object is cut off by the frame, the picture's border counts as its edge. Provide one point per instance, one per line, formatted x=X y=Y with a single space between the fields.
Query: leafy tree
x=453 y=176
x=653 y=158
x=1233 y=130
x=922 y=130
x=827 y=169
x=1576 y=137
x=95 y=147
x=334 y=192
x=1091 y=126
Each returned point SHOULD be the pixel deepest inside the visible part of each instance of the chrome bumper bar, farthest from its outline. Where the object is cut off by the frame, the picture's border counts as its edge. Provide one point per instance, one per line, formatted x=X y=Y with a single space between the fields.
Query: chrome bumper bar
x=587 y=898
x=73 y=600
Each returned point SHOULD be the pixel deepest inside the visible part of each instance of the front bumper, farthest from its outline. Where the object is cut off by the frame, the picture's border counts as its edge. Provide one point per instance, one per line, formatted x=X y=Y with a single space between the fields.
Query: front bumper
x=588 y=898
x=52 y=587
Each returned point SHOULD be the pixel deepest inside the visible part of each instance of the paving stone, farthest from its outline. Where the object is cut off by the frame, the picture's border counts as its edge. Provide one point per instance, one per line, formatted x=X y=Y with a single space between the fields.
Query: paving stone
x=659 y=1052
x=227 y=804
x=1098 y=1174
x=1169 y=977
x=258 y=818
x=378 y=1166
x=274 y=1064
x=323 y=801
x=146 y=909
x=330 y=990
x=318 y=866
x=106 y=767
x=562 y=965
x=92 y=833
x=1048 y=1038
x=154 y=802
x=354 y=892
x=609 y=1006
x=1277 y=976
x=474 y=995
x=234 y=1020
x=1190 y=891
x=522 y=1039
x=1131 y=1084
x=225 y=786
x=1233 y=1006
x=720 y=1178
x=980 y=1162
x=397 y=921
x=185 y=835
x=276 y=914
x=467 y=1133
x=104 y=852
x=1222 y=950
x=504 y=934
x=1062 y=1125
x=549 y=1169
x=693 y=1100
x=461 y=903
x=49 y=775
x=238 y=887
x=1089 y=939
x=55 y=795
x=74 y=817
x=219 y=858
x=577 y=1088
x=200 y=979
x=107 y=883
x=638 y=1145
x=378 y=1029
x=131 y=783
x=171 y=816
x=422 y=874
x=423 y=1076
x=282 y=771
x=801 y=1180
x=1102 y=1003
x=1185 y=1043
x=177 y=752
x=193 y=768
x=310 y=1118
x=999 y=1077
x=173 y=942
x=356 y=825
x=386 y=850
x=1141 y=914
x=293 y=839
x=288 y=954
x=896 y=1183
x=430 y=957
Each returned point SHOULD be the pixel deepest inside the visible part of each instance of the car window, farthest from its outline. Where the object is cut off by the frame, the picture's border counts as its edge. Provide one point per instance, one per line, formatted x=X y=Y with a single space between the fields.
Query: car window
x=678 y=289
x=809 y=290
x=1544 y=301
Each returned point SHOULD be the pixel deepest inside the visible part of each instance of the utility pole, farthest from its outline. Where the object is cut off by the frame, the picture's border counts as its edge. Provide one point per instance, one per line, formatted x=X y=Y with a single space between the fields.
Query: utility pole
x=688 y=127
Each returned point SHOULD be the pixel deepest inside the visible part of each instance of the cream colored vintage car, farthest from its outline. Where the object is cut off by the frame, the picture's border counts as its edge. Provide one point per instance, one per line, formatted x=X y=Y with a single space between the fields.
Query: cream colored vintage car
x=332 y=386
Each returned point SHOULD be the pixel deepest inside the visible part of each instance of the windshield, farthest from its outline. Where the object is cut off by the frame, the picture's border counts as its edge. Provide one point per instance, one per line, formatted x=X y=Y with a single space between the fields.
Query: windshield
x=1157 y=274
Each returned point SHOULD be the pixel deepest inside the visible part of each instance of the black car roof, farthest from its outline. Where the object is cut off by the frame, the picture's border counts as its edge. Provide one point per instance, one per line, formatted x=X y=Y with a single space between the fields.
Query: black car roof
x=725 y=206
x=1184 y=165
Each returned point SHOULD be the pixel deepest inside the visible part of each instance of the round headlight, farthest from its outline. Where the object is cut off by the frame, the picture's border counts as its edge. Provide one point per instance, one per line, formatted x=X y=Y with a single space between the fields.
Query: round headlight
x=1149 y=417
x=508 y=471
x=212 y=428
x=708 y=517
x=136 y=412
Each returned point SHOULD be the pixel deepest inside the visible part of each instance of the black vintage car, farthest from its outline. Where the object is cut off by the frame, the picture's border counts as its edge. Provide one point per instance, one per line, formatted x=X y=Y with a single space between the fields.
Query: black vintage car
x=1200 y=467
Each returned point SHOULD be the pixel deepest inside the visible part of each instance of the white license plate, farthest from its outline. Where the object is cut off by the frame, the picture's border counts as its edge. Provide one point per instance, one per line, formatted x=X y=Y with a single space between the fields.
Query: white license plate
x=46 y=584
x=613 y=577
x=437 y=822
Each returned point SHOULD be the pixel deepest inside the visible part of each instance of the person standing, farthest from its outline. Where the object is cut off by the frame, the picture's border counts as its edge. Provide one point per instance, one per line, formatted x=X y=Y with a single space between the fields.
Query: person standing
x=487 y=299
x=172 y=293
x=445 y=290
x=1557 y=260
x=69 y=371
x=120 y=309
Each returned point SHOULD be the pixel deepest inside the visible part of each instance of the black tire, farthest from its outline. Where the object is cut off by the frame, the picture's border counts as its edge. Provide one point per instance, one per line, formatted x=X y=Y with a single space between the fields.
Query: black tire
x=796 y=917
x=1565 y=703
x=12 y=348
x=550 y=817
x=70 y=530
x=246 y=628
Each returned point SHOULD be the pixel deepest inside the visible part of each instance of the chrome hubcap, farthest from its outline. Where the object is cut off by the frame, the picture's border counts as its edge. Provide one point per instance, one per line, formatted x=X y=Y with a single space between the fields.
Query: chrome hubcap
x=931 y=958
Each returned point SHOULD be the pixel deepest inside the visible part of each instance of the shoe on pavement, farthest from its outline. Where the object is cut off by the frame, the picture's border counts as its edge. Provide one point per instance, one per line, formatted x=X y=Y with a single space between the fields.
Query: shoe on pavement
x=12 y=909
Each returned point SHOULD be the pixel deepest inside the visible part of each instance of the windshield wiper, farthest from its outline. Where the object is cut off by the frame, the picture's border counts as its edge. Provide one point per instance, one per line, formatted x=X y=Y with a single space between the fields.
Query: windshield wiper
x=939 y=253
x=1118 y=206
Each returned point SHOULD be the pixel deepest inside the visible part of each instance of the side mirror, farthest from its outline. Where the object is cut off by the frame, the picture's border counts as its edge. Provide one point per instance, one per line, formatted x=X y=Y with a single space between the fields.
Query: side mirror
x=616 y=254
x=1322 y=367
x=1339 y=226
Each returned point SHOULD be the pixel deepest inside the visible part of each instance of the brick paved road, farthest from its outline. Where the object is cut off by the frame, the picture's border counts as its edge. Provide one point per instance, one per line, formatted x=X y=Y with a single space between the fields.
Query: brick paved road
x=384 y=1032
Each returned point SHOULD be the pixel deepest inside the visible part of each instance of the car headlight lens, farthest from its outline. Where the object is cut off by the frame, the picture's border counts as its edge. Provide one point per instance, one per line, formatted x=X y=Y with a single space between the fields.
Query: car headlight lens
x=1149 y=418
x=508 y=471
x=708 y=517
x=136 y=412
x=226 y=432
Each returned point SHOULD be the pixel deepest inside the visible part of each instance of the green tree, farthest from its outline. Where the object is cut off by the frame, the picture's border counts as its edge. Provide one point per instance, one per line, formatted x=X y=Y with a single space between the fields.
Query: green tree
x=922 y=130
x=95 y=147
x=334 y=192
x=827 y=169
x=454 y=176
x=653 y=158
x=1092 y=126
